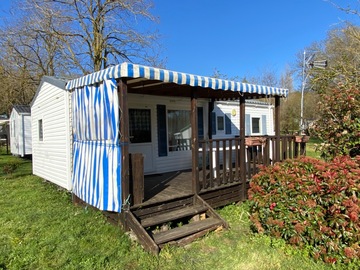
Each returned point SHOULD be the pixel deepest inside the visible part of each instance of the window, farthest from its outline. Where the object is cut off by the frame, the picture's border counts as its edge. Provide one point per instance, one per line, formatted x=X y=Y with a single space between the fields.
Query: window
x=140 y=125
x=220 y=123
x=41 y=134
x=255 y=125
x=179 y=130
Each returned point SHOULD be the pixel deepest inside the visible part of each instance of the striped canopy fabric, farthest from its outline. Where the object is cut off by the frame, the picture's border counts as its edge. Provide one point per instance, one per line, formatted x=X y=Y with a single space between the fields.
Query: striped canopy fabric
x=128 y=70
x=97 y=151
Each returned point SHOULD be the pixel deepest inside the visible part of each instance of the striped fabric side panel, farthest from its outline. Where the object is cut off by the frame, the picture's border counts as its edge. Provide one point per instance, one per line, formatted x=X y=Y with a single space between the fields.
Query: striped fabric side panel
x=97 y=174
x=96 y=112
x=97 y=152
x=128 y=70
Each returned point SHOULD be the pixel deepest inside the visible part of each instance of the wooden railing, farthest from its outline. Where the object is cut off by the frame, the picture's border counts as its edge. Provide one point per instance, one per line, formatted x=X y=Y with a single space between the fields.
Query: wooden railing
x=219 y=159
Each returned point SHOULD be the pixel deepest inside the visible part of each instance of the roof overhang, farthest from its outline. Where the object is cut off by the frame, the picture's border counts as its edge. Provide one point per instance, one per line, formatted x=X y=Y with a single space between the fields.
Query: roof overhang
x=149 y=80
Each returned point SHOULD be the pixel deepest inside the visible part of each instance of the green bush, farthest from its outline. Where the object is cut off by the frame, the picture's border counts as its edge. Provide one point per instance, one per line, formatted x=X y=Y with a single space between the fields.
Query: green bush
x=338 y=124
x=312 y=204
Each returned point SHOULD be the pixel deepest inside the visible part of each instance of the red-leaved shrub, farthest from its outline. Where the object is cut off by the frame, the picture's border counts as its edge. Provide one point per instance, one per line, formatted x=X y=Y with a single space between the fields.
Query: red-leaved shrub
x=312 y=203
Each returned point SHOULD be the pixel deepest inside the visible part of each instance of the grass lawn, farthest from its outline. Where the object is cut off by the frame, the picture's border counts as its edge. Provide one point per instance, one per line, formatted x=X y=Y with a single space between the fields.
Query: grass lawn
x=40 y=228
x=310 y=148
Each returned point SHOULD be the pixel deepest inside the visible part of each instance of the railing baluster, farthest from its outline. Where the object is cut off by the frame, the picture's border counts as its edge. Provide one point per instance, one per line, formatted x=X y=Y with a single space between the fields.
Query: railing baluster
x=223 y=178
x=217 y=164
x=211 y=163
x=203 y=156
x=237 y=160
x=231 y=177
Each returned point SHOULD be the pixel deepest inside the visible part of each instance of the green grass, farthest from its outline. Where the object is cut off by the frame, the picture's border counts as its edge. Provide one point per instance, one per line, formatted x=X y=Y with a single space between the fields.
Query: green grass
x=40 y=228
x=310 y=148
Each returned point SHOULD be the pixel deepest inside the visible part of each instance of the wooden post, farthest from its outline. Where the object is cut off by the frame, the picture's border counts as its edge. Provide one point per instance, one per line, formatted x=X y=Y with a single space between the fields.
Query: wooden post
x=242 y=149
x=277 y=128
x=137 y=177
x=194 y=142
x=303 y=148
x=124 y=139
x=210 y=127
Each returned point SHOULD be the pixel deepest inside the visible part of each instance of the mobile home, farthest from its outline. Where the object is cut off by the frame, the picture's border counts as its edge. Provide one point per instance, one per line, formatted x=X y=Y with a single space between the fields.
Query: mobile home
x=164 y=118
x=259 y=119
x=20 y=131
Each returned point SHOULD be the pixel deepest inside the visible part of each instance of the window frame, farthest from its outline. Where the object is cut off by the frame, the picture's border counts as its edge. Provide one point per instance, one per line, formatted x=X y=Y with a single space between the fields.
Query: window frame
x=258 y=125
x=220 y=126
x=178 y=147
x=40 y=130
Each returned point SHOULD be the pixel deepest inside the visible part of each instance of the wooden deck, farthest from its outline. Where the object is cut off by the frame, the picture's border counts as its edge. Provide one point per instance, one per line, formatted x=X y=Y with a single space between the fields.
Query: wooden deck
x=219 y=174
x=166 y=186
x=172 y=185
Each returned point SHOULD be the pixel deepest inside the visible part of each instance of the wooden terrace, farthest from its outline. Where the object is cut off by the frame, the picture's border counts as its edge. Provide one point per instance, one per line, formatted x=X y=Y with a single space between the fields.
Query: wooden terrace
x=219 y=174
x=220 y=177
x=153 y=206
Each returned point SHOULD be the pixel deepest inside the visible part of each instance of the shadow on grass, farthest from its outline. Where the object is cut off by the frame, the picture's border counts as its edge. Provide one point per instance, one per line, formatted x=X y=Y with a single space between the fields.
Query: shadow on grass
x=12 y=167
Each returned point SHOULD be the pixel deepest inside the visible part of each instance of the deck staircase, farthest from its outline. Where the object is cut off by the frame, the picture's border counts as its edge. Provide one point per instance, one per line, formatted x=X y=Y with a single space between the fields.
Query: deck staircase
x=178 y=221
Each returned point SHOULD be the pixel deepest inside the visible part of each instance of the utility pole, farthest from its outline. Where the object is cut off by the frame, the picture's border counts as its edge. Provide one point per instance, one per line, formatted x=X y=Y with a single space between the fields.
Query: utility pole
x=307 y=64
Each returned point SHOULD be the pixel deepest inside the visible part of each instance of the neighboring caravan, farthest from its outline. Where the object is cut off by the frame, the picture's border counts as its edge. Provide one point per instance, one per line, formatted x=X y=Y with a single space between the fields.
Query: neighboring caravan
x=51 y=132
x=20 y=130
x=259 y=119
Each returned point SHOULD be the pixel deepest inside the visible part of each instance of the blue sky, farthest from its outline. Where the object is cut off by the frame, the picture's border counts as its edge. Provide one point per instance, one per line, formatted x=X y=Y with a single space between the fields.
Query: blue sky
x=240 y=37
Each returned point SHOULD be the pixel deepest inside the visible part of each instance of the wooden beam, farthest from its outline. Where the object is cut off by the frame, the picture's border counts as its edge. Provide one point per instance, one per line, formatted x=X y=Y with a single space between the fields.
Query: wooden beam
x=210 y=127
x=194 y=142
x=176 y=90
x=277 y=128
x=242 y=149
x=124 y=139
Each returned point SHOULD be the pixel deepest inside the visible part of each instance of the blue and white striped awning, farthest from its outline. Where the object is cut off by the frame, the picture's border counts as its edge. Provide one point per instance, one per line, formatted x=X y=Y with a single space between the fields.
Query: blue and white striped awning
x=128 y=70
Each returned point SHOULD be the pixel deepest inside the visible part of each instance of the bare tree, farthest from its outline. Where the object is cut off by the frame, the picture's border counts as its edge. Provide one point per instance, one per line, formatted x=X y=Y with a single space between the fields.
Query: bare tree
x=349 y=8
x=28 y=50
x=99 y=33
x=71 y=38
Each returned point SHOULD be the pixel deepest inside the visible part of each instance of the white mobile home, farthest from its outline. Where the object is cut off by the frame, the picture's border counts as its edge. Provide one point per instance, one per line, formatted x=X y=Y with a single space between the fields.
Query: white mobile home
x=52 y=132
x=165 y=115
x=20 y=130
x=259 y=119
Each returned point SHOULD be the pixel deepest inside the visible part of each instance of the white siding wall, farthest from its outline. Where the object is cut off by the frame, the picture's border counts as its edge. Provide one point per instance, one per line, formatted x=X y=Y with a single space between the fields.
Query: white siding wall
x=254 y=110
x=14 y=133
x=177 y=160
x=27 y=134
x=20 y=134
x=52 y=158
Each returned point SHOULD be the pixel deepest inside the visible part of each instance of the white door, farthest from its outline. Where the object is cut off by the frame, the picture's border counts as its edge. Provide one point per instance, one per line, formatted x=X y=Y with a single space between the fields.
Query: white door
x=141 y=137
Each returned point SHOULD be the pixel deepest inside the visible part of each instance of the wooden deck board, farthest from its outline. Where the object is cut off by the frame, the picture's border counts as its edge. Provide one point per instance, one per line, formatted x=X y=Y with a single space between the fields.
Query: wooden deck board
x=185 y=230
x=176 y=214
x=166 y=186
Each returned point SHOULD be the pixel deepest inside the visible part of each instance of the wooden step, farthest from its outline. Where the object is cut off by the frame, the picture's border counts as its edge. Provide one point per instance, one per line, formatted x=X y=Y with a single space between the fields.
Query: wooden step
x=185 y=230
x=174 y=215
